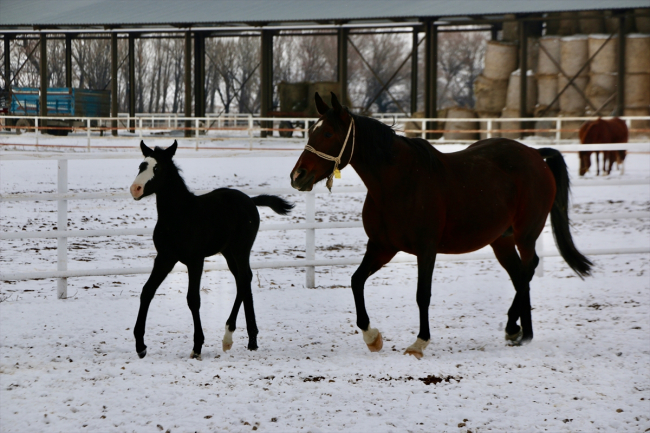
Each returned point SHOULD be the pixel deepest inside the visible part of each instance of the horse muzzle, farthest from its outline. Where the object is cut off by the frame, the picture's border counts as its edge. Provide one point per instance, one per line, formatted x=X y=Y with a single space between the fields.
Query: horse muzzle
x=137 y=191
x=301 y=180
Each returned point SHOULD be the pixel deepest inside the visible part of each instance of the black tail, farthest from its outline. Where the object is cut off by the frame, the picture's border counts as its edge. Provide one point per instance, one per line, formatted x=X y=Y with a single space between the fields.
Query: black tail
x=279 y=205
x=560 y=214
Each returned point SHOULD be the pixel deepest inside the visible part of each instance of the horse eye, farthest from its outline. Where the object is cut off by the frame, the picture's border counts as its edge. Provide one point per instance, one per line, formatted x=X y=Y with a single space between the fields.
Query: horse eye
x=155 y=169
x=328 y=135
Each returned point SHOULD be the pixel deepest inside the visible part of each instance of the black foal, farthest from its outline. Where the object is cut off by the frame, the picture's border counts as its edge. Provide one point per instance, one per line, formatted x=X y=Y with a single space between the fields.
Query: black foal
x=191 y=228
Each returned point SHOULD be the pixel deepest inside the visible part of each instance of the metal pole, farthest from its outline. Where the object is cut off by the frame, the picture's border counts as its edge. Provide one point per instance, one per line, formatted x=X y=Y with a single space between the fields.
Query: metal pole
x=342 y=65
x=414 y=71
x=523 y=70
x=431 y=75
x=62 y=225
x=199 y=74
x=310 y=239
x=7 y=47
x=132 y=82
x=114 y=83
x=188 y=84
x=43 y=72
x=266 y=78
x=68 y=60
x=620 y=96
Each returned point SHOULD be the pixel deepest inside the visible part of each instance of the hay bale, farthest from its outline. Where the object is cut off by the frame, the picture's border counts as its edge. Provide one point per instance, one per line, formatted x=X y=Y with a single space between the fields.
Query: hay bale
x=637 y=54
x=564 y=27
x=547 y=91
x=411 y=128
x=545 y=124
x=500 y=60
x=544 y=64
x=512 y=97
x=599 y=90
x=611 y=25
x=642 y=23
x=510 y=29
x=591 y=22
x=638 y=124
x=483 y=125
x=571 y=101
x=574 y=54
x=293 y=96
x=605 y=62
x=508 y=113
x=461 y=113
x=490 y=94
x=323 y=88
x=637 y=90
x=572 y=125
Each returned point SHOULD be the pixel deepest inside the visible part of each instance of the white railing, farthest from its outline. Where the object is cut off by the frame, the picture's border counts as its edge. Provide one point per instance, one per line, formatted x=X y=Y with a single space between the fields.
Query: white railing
x=248 y=127
x=62 y=234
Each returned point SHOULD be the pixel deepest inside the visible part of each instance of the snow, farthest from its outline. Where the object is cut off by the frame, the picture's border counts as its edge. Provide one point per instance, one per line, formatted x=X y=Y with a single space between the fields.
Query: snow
x=70 y=365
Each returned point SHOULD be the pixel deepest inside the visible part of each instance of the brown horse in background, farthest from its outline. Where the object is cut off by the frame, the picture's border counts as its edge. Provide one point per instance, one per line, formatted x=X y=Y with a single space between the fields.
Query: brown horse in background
x=602 y=131
x=497 y=192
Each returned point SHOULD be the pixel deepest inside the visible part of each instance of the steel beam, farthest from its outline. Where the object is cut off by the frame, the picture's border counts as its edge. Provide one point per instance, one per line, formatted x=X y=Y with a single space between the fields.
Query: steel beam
x=431 y=74
x=620 y=96
x=131 y=88
x=188 y=82
x=68 y=60
x=523 y=69
x=414 y=70
x=342 y=39
x=266 y=79
x=199 y=74
x=114 y=83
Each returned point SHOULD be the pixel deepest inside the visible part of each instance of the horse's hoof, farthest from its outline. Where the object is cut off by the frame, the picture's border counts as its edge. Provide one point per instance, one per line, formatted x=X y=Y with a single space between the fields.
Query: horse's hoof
x=515 y=339
x=143 y=353
x=226 y=342
x=373 y=339
x=252 y=346
x=226 y=346
x=196 y=356
x=417 y=349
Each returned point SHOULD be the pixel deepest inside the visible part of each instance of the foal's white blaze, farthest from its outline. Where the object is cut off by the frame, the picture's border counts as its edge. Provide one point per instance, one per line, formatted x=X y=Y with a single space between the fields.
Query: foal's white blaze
x=137 y=189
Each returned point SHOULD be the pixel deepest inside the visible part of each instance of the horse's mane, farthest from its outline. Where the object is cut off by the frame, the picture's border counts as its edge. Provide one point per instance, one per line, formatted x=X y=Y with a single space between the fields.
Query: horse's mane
x=380 y=137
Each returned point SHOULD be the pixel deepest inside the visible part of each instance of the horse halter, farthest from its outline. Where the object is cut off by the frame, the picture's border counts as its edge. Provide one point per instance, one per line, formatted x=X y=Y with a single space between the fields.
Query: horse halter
x=337 y=160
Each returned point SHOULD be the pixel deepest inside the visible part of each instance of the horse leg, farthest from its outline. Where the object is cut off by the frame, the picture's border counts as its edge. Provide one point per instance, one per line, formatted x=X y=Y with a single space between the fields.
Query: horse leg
x=194 y=271
x=506 y=253
x=245 y=294
x=375 y=258
x=231 y=323
x=597 y=164
x=161 y=267
x=585 y=162
x=426 y=263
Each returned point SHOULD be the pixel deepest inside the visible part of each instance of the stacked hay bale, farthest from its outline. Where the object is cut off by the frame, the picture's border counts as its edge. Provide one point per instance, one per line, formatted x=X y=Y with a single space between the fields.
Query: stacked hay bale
x=637 y=80
x=547 y=72
x=461 y=126
x=491 y=87
x=513 y=102
x=642 y=23
x=601 y=89
x=566 y=26
x=573 y=56
x=591 y=22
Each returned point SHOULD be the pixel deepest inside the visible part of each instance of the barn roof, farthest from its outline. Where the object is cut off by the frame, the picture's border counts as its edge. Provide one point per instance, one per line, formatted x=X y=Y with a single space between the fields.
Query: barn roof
x=158 y=15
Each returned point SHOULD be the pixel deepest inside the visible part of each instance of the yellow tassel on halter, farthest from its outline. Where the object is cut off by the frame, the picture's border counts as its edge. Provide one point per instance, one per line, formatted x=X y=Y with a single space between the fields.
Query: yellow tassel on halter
x=337 y=173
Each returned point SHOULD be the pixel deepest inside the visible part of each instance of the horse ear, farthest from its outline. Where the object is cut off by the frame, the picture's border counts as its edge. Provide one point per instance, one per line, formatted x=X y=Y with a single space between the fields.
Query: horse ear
x=321 y=106
x=336 y=105
x=146 y=151
x=171 y=150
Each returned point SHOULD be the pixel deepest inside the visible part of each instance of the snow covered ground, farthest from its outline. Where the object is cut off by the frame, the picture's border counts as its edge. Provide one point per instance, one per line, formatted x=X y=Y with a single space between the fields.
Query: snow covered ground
x=70 y=365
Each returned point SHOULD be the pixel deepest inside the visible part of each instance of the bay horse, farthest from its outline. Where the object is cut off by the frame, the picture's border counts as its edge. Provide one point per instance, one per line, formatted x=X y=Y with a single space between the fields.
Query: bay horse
x=191 y=228
x=497 y=192
x=602 y=131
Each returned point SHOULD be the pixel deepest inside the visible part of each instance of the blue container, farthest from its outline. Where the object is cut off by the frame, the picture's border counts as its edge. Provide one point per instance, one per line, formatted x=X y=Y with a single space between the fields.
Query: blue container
x=61 y=101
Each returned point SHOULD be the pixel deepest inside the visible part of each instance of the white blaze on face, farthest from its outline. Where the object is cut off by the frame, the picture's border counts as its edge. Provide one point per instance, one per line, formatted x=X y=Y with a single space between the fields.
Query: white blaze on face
x=137 y=189
x=316 y=126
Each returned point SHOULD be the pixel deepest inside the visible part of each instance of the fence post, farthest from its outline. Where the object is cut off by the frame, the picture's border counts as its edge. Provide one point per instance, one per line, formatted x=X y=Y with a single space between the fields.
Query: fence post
x=310 y=239
x=489 y=129
x=140 y=127
x=196 y=127
x=539 y=249
x=250 y=131
x=88 y=134
x=36 y=130
x=558 y=126
x=62 y=225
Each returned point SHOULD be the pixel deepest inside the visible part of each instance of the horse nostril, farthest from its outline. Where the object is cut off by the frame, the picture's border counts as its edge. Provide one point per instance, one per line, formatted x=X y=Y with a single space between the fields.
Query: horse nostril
x=299 y=173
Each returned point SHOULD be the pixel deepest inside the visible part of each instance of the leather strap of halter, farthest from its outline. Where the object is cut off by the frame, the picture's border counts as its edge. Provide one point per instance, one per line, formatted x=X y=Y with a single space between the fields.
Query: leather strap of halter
x=337 y=160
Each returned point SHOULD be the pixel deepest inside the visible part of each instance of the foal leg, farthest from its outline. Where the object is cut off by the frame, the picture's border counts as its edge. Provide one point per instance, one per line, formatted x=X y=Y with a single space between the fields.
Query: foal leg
x=194 y=271
x=506 y=254
x=375 y=258
x=426 y=263
x=161 y=267
x=240 y=267
x=231 y=323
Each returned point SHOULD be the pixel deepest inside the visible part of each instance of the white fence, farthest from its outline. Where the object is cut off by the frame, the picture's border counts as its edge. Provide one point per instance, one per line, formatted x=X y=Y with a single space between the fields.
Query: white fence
x=222 y=128
x=310 y=261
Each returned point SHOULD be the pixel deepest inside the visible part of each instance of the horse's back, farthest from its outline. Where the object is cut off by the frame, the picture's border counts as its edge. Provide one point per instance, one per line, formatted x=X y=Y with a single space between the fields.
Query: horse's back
x=603 y=131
